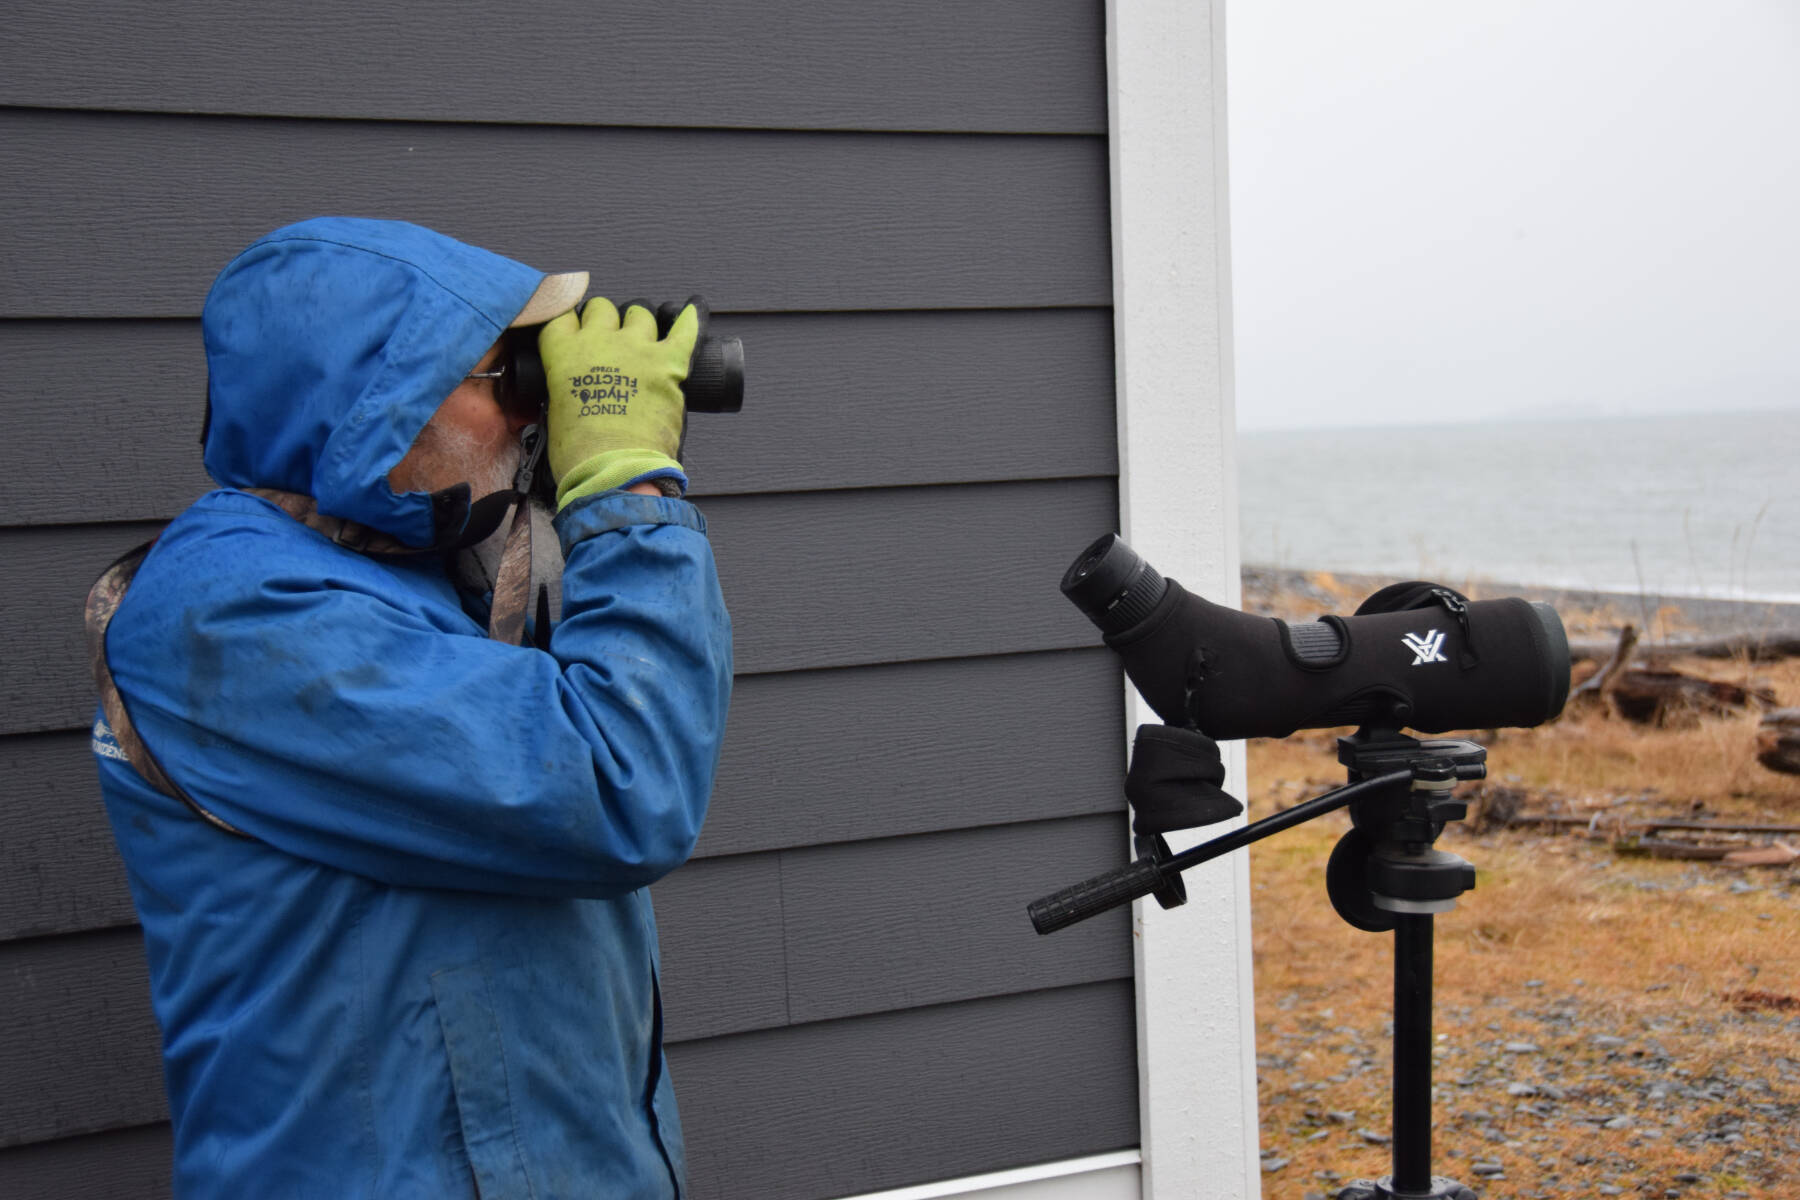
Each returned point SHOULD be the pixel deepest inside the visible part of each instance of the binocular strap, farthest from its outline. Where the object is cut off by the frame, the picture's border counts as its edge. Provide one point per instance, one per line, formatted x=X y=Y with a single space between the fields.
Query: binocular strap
x=348 y=534
x=103 y=601
x=512 y=594
x=512 y=582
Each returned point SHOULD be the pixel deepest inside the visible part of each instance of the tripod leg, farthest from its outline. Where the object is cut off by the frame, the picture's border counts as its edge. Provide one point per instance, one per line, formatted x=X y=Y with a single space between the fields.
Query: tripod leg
x=1412 y=1178
x=1412 y=1054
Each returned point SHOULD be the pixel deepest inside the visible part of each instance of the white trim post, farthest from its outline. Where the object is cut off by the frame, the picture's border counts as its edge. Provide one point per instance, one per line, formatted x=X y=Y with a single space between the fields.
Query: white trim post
x=1178 y=507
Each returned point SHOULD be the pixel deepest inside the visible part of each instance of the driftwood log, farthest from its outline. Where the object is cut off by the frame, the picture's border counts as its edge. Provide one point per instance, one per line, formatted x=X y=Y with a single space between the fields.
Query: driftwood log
x=1755 y=647
x=1657 y=694
x=1778 y=854
x=1666 y=696
x=1614 y=824
x=1638 y=836
x=1667 y=848
x=1778 y=741
x=1599 y=685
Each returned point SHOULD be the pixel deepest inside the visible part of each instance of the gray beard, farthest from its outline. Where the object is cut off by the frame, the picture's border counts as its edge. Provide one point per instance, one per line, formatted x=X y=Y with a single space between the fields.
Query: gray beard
x=455 y=455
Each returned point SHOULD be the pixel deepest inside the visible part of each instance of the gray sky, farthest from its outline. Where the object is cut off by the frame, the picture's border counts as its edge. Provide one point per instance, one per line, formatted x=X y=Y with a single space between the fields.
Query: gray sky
x=1458 y=211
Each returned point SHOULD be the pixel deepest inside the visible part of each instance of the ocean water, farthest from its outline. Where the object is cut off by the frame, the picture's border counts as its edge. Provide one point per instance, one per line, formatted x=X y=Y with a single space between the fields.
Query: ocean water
x=1693 y=505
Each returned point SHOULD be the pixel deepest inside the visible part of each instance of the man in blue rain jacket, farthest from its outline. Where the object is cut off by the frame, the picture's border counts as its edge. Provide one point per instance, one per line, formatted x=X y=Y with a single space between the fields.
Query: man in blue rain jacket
x=393 y=887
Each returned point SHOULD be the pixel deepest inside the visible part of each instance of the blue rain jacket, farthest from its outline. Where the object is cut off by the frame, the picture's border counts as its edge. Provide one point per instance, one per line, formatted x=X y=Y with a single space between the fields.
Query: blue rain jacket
x=430 y=969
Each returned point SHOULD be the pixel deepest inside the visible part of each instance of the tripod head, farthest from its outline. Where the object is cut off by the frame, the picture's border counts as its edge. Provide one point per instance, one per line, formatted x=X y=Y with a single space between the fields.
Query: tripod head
x=1399 y=800
x=1386 y=864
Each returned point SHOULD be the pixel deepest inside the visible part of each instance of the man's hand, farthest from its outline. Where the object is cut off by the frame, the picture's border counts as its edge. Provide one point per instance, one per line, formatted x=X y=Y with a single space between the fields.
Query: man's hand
x=616 y=408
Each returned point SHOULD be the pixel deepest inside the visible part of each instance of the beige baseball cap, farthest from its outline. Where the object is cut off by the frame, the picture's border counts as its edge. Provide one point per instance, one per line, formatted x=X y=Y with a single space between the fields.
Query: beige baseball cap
x=556 y=294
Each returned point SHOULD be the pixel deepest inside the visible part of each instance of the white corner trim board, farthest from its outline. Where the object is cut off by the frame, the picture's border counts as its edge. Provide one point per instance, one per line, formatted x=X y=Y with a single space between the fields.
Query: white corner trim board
x=1096 y=1177
x=1196 y=1022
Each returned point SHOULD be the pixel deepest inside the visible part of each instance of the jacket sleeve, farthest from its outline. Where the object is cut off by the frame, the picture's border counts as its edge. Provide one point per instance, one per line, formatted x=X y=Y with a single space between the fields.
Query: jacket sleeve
x=342 y=722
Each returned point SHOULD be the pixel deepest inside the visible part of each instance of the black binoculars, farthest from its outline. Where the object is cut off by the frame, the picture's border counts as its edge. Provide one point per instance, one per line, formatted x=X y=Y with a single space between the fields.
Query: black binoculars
x=714 y=384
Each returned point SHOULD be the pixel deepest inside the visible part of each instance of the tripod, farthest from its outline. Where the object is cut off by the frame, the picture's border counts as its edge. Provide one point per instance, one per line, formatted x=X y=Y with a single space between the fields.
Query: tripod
x=1384 y=874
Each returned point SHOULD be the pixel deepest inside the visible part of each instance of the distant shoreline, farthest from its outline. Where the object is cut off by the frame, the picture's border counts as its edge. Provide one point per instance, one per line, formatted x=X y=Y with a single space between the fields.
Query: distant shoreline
x=1533 y=417
x=1606 y=508
x=1264 y=586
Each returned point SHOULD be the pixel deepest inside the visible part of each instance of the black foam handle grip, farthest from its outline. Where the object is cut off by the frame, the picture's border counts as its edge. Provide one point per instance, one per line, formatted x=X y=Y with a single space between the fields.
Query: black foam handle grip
x=1080 y=901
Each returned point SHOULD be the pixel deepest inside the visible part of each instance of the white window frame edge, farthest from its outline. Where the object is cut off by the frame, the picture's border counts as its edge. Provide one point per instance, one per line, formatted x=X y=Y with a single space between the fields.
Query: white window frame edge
x=1196 y=1023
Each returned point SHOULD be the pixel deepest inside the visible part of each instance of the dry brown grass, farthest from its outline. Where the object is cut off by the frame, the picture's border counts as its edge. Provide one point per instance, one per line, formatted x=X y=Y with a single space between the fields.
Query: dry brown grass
x=1707 y=763
x=1562 y=941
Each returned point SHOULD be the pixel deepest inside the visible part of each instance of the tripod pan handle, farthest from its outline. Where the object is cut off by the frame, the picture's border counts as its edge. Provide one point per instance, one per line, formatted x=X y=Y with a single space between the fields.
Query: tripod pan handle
x=1080 y=901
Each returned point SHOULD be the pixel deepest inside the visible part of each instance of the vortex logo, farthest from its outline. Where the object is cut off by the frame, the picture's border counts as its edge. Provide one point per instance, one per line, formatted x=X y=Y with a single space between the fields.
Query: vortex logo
x=1426 y=647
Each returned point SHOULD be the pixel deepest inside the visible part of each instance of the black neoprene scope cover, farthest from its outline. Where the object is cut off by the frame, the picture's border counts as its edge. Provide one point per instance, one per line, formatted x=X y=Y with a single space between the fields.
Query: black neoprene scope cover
x=1416 y=655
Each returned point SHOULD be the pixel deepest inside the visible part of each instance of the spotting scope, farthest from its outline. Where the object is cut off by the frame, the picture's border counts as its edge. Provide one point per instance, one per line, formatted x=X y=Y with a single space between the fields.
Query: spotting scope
x=1415 y=655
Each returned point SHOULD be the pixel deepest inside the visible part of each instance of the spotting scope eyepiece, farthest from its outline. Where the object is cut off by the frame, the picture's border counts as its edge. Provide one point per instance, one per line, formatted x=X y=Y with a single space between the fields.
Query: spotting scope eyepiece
x=1113 y=585
x=1416 y=655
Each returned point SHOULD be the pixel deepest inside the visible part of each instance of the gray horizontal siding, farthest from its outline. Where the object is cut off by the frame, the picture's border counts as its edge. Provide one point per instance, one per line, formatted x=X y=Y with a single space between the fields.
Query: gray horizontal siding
x=924 y=735
x=822 y=579
x=59 y=870
x=80 y=1045
x=846 y=578
x=827 y=932
x=44 y=679
x=872 y=925
x=838 y=756
x=835 y=401
x=125 y=1164
x=911 y=1096
x=132 y=216
x=1002 y=65
x=907 y=1096
x=810 y=758
x=750 y=942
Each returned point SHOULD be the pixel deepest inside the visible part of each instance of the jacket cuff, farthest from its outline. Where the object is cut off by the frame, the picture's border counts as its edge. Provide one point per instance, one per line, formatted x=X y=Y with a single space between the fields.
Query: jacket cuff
x=605 y=512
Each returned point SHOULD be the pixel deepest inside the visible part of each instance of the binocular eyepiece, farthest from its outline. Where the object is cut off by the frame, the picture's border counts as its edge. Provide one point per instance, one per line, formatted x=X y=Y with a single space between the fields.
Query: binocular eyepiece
x=1415 y=654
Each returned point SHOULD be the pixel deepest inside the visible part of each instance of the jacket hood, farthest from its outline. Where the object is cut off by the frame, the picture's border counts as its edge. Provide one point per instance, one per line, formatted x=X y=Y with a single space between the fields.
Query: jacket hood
x=330 y=343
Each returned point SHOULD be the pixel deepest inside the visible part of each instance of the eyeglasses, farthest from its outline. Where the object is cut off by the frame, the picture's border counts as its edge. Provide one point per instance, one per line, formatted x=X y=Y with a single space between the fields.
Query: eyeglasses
x=506 y=394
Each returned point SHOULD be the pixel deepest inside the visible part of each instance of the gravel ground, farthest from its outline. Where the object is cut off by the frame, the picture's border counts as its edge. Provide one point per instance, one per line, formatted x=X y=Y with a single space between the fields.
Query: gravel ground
x=1508 y=1112
x=1546 y=1090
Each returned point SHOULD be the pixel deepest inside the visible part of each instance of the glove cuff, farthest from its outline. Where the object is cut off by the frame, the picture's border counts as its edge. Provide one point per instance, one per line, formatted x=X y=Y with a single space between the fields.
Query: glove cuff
x=616 y=469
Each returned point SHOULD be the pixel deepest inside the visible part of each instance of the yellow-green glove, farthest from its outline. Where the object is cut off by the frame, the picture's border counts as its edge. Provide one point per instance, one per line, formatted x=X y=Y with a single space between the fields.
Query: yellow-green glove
x=616 y=409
